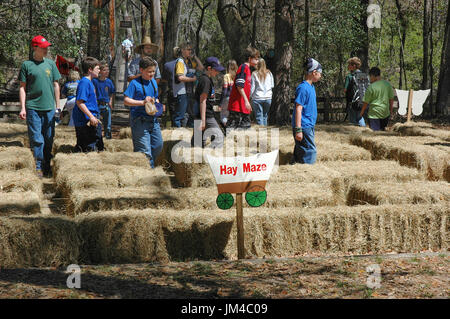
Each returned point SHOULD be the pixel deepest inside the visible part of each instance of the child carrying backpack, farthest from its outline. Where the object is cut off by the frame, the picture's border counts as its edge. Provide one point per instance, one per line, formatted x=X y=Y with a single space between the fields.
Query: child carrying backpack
x=356 y=84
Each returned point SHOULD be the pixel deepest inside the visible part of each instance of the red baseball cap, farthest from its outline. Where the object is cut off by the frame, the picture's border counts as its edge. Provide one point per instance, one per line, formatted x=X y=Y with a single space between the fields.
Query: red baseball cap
x=40 y=41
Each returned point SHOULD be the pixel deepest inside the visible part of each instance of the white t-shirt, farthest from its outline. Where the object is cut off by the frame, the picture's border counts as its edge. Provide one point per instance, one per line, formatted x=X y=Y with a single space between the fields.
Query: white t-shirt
x=261 y=90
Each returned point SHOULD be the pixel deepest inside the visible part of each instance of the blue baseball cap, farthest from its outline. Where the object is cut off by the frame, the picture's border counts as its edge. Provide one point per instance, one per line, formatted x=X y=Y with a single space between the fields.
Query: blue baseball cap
x=213 y=62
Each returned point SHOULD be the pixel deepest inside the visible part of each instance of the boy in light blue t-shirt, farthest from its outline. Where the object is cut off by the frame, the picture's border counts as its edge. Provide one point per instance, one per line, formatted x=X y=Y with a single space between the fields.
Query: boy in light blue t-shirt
x=145 y=129
x=305 y=115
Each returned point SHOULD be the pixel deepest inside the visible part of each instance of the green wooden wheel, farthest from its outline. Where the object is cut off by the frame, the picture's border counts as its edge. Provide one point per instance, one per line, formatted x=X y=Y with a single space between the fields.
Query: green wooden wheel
x=225 y=201
x=256 y=196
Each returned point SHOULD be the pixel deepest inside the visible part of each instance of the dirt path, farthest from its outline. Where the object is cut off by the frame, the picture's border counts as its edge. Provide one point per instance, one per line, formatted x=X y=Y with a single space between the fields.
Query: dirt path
x=402 y=276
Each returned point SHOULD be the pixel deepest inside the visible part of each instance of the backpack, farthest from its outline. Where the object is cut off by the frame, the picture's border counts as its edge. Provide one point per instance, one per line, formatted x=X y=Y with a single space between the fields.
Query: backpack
x=358 y=86
x=169 y=71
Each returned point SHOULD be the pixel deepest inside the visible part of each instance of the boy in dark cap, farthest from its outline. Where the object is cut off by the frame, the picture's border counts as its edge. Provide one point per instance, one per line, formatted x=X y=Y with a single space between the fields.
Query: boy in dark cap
x=305 y=114
x=204 y=95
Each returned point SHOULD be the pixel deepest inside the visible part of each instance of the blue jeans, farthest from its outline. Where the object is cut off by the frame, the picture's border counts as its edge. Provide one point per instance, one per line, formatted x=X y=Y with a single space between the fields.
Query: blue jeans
x=305 y=150
x=41 y=131
x=180 y=109
x=378 y=124
x=355 y=118
x=261 y=109
x=105 y=112
x=147 y=137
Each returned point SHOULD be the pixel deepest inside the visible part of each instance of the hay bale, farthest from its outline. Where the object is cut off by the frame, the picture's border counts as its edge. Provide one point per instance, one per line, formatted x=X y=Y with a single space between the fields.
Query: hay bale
x=188 y=165
x=69 y=180
x=124 y=158
x=19 y=203
x=435 y=163
x=132 y=176
x=62 y=145
x=122 y=145
x=38 y=242
x=16 y=158
x=327 y=150
x=13 y=135
x=150 y=235
x=125 y=133
x=415 y=192
x=333 y=151
x=421 y=129
x=369 y=172
x=281 y=195
x=95 y=200
x=20 y=181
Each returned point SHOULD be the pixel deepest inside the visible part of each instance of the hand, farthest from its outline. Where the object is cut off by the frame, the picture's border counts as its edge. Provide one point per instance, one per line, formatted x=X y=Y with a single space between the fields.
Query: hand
x=248 y=106
x=202 y=126
x=164 y=108
x=299 y=136
x=148 y=99
x=110 y=106
x=93 y=121
x=361 y=115
x=23 y=114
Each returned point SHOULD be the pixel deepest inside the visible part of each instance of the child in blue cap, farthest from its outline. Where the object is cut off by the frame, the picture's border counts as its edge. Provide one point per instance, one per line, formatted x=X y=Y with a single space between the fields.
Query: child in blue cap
x=305 y=114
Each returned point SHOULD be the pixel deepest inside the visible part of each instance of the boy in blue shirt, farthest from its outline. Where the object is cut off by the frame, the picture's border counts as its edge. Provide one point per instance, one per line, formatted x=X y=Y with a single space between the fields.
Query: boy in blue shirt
x=145 y=130
x=85 y=116
x=104 y=88
x=305 y=115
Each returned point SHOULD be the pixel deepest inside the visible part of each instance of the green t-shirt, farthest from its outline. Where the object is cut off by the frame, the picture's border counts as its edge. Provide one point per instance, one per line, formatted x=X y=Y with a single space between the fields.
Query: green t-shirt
x=377 y=96
x=39 y=77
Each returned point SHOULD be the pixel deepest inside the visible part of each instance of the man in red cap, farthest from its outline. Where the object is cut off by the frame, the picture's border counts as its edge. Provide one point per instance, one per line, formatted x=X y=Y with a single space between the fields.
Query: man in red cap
x=39 y=93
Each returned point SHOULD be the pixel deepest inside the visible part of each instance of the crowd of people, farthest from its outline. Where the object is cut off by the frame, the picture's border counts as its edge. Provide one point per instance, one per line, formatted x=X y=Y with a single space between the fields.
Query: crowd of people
x=246 y=92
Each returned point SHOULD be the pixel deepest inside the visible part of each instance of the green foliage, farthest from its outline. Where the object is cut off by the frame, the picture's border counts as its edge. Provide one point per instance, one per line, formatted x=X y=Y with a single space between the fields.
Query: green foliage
x=49 y=19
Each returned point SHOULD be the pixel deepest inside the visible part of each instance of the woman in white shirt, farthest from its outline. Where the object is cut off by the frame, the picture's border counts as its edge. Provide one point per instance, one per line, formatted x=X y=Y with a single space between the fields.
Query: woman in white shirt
x=261 y=92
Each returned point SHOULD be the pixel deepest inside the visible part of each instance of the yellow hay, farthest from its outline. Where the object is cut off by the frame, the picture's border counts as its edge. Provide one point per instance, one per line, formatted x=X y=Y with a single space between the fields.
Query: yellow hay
x=122 y=145
x=15 y=158
x=19 y=203
x=421 y=129
x=153 y=235
x=415 y=192
x=38 y=242
x=20 y=181
x=434 y=162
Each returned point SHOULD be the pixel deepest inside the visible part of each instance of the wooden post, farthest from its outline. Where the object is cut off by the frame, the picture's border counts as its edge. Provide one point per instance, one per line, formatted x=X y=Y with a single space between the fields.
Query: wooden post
x=240 y=226
x=410 y=97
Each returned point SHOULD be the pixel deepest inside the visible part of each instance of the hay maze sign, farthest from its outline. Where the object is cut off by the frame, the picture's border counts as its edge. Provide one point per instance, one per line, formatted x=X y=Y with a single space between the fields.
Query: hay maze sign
x=238 y=175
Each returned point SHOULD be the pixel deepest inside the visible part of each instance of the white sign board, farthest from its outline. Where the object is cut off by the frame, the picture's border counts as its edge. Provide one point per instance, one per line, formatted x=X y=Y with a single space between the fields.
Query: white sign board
x=418 y=99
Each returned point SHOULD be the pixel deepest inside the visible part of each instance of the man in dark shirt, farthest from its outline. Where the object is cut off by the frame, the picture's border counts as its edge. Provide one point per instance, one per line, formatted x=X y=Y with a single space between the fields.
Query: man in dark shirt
x=204 y=95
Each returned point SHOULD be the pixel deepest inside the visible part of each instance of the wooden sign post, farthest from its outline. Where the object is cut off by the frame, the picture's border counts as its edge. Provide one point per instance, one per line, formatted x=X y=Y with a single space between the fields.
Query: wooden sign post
x=239 y=175
x=410 y=98
x=240 y=226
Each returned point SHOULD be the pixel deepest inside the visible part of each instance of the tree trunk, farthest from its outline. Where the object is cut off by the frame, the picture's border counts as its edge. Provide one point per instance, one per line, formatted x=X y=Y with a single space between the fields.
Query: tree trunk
x=426 y=40
x=307 y=29
x=443 y=94
x=93 y=48
x=402 y=35
x=284 y=37
x=156 y=29
x=171 y=28
x=145 y=21
x=200 y=24
x=237 y=32
x=363 y=51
